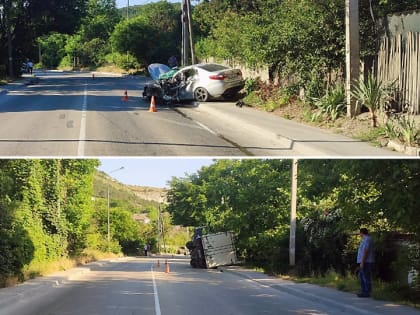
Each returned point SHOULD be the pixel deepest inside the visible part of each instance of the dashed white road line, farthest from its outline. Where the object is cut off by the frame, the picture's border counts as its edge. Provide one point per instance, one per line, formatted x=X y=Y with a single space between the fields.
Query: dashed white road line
x=82 y=135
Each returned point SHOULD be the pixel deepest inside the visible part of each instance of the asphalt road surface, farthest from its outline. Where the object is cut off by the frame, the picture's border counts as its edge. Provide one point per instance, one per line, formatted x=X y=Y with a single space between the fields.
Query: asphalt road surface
x=73 y=115
x=70 y=114
x=138 y=286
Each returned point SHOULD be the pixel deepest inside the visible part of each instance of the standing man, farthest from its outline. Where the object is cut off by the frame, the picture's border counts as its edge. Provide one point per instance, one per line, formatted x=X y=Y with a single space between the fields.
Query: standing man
x=172 y=62
x=30 y=66
x=365 y=259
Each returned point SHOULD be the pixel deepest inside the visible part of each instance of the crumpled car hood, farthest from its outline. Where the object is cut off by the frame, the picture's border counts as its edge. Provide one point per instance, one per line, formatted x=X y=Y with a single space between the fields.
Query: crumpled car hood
x=157 y=69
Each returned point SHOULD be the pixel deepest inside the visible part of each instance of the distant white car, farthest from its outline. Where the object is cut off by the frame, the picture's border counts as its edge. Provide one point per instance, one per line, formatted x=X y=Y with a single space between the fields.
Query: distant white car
x=199 y=82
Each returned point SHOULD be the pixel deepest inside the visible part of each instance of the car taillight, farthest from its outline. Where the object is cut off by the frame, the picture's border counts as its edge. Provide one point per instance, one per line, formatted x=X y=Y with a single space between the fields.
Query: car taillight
x=217 y=77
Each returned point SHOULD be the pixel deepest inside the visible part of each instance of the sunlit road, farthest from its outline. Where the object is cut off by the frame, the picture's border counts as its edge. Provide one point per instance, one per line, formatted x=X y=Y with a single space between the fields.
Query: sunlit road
x=74 y=115
x=138 y=286
x=70 y=114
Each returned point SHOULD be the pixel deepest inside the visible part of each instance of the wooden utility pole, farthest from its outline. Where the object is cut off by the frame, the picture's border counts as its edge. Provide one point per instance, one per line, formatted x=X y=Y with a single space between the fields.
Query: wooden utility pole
x=187 y=37
x=7 y=16
x=190 y=31
x=352 y=53
x=292 y=240
x=184 y=21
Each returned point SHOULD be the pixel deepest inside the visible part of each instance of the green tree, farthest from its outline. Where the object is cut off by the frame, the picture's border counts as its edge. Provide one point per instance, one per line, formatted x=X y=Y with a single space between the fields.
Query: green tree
x=95 y=30
x=31 y=19
x=52 y=49
x=302 y=41
x=249 y=197
x=335 y=198
x=46 y=203
x=152 y=36
x=78 y=209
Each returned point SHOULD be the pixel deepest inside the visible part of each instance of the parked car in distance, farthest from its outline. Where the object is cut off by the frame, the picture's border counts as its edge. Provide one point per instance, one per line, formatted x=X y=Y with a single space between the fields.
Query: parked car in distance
x=199 y=82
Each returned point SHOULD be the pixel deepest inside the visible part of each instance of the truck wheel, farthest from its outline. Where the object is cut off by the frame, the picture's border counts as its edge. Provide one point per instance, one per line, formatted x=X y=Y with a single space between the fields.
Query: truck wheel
x=201 y=94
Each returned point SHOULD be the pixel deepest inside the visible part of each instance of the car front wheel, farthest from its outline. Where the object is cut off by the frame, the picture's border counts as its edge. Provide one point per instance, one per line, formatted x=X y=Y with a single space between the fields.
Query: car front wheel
x=201 y=94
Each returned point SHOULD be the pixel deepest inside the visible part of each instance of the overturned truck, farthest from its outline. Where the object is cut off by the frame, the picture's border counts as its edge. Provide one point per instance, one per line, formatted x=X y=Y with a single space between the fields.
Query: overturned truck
x=212 y=250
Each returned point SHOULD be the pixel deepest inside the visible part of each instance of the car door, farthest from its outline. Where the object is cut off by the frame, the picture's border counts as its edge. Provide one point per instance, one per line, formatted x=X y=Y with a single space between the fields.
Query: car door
x=188 y=78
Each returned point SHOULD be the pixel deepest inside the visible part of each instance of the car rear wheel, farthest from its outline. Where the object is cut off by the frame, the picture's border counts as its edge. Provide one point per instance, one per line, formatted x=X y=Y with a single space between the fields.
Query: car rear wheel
x=201 y=94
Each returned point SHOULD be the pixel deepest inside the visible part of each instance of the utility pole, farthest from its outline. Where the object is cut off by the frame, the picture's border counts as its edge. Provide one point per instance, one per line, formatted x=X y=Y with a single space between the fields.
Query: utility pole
x=352 y=54
x=158 y=229
x=7 y=16
x=292 y=241
x=108 y=216
x=161 y=230
x=128 y=8
x=184 y=21
x=187 y=36
x=190 y=31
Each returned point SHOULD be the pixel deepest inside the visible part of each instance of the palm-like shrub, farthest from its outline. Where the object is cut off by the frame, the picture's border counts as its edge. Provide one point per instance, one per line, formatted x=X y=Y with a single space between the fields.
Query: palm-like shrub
x=331 y=105
x=371 y=94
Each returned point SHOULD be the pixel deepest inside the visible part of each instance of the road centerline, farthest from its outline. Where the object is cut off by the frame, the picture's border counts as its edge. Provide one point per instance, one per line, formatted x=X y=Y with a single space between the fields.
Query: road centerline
x=82 y=135
x=155 y=293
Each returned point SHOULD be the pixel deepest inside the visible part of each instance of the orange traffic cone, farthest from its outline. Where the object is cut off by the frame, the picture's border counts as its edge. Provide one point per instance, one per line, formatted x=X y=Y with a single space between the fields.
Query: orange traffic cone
x=167 y=266
x=158 y=264
x=125 y=97
x=152 y=105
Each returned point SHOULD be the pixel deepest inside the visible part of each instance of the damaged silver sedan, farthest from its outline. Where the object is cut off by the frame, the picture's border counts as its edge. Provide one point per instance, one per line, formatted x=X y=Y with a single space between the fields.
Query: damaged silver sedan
x=199 y=82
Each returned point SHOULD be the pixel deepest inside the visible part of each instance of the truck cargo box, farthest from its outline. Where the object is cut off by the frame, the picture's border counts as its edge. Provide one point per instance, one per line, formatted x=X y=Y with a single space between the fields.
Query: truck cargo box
x=219 y=249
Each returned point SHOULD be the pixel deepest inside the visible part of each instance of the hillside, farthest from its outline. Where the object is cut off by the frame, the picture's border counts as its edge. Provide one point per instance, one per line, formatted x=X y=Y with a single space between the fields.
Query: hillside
x=148 y=193
x=137 y=196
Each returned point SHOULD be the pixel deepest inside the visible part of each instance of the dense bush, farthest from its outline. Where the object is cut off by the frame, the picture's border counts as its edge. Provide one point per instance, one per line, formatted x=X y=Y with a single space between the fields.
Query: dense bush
x=302 y=42
x=123 y=61
x=46 y=209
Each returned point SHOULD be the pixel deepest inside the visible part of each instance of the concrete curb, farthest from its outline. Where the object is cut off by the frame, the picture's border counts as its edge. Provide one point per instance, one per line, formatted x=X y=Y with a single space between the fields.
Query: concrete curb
x=111 y=74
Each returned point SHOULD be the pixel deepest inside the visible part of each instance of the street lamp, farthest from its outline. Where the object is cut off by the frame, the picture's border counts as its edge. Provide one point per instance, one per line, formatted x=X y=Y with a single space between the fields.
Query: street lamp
x=109 y=236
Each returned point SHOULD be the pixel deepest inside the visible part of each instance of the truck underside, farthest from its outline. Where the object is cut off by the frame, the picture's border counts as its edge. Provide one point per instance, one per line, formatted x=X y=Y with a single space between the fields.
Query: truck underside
x=212 y=250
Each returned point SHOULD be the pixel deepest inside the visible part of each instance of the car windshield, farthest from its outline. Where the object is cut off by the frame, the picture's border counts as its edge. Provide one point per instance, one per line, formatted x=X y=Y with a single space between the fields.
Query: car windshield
x=213 y=67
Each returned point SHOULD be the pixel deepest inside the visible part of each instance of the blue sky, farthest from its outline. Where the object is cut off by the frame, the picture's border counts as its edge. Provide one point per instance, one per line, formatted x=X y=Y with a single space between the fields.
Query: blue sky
x=123 y=3
x=153 y=172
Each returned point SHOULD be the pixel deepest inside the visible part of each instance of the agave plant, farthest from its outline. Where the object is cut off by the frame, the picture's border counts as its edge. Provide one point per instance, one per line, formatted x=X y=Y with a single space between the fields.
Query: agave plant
x=403 y=128
x=332 y=104
x=371 y=94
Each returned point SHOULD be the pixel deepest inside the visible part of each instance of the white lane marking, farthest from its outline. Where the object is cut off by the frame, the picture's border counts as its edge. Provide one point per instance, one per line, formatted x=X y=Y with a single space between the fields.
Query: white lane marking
x=206 y=128
x=157 y=305
x=82 y=135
